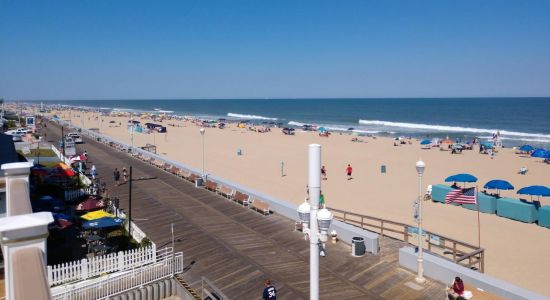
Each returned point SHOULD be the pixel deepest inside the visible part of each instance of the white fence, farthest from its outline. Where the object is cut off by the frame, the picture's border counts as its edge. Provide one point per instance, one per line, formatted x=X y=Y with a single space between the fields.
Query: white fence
x=71 y=195
x=137 y=234
x=110 y=285
x=89 y=268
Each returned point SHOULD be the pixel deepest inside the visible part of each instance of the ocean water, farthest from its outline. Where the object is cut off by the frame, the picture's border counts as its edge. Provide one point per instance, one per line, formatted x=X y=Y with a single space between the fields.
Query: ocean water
x=519 y=120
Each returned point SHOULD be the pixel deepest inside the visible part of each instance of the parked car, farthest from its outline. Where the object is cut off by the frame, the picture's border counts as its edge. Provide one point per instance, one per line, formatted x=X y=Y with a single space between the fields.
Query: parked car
x=76 y=137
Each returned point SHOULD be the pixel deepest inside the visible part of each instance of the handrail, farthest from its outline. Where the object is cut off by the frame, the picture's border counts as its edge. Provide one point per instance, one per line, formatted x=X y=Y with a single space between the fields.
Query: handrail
x=475 y=255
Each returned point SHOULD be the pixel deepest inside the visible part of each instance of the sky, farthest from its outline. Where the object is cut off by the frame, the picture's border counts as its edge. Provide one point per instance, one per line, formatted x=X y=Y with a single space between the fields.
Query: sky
x=273 y=49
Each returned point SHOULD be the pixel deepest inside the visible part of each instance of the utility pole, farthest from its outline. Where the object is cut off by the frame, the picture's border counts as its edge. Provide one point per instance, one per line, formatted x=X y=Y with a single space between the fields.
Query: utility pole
x=130 y=204
x=314 y=184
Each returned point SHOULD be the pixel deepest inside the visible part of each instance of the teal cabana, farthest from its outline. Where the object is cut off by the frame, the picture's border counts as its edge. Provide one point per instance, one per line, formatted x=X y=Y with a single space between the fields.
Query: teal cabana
x=487 y=204
x=518 y=210
x=544 y=216
x=439 y=191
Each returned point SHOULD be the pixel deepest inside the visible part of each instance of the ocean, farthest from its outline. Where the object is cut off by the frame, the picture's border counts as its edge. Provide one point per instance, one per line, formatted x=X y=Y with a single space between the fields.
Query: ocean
x=519 y=120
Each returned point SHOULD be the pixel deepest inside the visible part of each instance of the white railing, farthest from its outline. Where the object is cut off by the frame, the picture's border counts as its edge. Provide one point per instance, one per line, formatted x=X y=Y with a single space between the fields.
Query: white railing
x=60 y=155
x=71 y=195
x=88 y=268
x=110 y=285
x=137 y=234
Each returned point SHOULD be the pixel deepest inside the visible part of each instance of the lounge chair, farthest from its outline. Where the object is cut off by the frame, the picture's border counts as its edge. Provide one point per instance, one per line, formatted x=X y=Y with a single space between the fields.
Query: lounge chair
x=260 y=206
x=523 y=171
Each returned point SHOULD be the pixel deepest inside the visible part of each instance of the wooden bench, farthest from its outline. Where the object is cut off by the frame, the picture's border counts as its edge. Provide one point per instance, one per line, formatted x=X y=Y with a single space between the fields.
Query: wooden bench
x=184 y=174
x=193 y=177
x=241 y=198
x=226 y=191
x=211 y=185
x=175 y=170
x=166 y=167
x=261 y=206
x=159 y=163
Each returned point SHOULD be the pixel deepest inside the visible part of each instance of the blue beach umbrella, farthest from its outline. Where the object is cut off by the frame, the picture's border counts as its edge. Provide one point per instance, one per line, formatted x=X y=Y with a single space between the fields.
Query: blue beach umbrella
x=498 y=184
x=539 y=153
x=535 y=190
x=425 y=142
x=103 y=223
x=321 y=129
x=526 y=148
x=463 y=177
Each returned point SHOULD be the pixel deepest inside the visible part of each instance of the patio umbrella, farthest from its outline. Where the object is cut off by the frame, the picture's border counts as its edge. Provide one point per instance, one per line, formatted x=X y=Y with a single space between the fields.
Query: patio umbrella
x=98 y=214
x=61 y=216
x=463 y=177
x=103 y=223
x=90 y=204
x=63 y=223
x=498 y=184
x=539 y=153
x=526 y=148
x=425 y=142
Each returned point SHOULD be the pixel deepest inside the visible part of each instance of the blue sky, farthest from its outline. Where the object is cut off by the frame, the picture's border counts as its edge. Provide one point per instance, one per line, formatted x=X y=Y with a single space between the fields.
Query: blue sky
x=273 y=49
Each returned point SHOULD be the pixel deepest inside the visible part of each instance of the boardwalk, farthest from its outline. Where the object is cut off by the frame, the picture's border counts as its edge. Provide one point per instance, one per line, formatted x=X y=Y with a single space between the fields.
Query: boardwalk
x=237 y=248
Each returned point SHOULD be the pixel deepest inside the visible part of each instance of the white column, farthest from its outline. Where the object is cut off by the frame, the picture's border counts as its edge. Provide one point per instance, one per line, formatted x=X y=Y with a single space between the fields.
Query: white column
x=18 y=232
x=314 y=184
x=16 y=172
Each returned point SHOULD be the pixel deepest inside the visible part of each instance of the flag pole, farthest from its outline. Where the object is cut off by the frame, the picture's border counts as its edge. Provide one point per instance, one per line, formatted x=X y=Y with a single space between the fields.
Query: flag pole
x=478 y=223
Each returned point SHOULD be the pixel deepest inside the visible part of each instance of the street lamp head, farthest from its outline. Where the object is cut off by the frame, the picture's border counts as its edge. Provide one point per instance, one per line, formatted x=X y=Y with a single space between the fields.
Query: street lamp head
x=304 y=211
x=420 y=166
x=202 y=131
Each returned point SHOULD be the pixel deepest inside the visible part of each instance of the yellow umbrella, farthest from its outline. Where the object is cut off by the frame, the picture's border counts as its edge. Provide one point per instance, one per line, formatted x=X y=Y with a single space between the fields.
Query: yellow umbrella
x=98 y=214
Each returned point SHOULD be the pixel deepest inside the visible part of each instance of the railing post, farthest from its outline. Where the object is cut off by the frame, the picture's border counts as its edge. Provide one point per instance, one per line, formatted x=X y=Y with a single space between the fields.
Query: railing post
x=50 y=275
x=382 y=228
x=483 y=261
x=454 y=251
x=406 y=233
x=84 y=269
x=429 y=236
x=120 y=260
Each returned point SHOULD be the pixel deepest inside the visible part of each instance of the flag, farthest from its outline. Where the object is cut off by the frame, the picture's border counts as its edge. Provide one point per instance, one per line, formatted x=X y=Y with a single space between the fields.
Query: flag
x=462 y=196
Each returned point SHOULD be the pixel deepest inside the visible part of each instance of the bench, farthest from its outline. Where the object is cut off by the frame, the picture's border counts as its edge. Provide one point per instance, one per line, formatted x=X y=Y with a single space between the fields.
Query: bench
x=241 y=198
x=261 y=206
x=166 y=167
x=211 y=185
x=192 y=177
x=481 y=294
x=174 y=170
x=184 y=174
x=226 y=191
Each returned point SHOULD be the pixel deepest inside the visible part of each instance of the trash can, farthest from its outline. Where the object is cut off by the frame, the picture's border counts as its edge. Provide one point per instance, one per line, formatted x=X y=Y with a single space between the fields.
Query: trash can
x=357 y=246
x=198 y=182
x=383 y=169
x=239 y=152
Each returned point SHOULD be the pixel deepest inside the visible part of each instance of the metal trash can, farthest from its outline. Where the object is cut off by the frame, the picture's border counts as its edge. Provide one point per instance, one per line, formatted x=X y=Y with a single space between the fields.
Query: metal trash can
x=239 y=152
x=199 y=182
x=357 y=246
x=383 y=169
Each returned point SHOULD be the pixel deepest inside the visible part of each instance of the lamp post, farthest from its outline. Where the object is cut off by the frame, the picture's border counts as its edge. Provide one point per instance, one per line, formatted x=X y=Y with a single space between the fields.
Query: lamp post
x=202 y=135
x=132 y=126
x=420 y=167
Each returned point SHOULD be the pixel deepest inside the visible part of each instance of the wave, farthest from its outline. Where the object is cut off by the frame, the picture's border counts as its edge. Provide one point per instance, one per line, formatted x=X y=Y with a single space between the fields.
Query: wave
x=452 y=128
x=241 y=116
x=337 y=128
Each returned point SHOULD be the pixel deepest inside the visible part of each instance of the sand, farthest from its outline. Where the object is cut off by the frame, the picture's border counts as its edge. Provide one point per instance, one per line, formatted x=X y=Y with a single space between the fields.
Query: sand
x=515 y=251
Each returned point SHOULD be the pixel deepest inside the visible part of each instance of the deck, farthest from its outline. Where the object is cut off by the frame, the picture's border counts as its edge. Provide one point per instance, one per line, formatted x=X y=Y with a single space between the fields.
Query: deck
x=237 y=248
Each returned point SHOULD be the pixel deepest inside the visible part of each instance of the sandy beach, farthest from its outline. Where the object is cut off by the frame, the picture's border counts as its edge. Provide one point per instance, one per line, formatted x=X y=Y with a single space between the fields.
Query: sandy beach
x=515 y=251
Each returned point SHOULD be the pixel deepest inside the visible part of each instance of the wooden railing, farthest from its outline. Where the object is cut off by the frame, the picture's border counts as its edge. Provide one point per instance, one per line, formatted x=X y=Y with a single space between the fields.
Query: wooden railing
x=459 y=252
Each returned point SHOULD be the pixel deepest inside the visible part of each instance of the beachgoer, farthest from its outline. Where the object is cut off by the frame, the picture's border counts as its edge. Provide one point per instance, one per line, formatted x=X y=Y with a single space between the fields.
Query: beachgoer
x=349 y=169
x=94 y=172
x=125 y=175
x=456 y=290
x=324 y=173
x=86 y=154
x=116 y=176
x=270 y=293
x=321 y=200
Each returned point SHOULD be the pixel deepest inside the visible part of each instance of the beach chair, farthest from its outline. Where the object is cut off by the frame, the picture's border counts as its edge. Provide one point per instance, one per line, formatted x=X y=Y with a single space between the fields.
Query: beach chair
x=260 y=206
x=226 y=191
x=211 y=185
x=241 y=198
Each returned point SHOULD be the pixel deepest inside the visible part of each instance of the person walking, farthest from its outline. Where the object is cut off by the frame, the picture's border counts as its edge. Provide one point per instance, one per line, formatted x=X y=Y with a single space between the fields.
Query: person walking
x=349 y=170
x=125 y=175
x=94 y=172
x=321 y=200
x=270 y=293
x=116 y=176
x=324 y=172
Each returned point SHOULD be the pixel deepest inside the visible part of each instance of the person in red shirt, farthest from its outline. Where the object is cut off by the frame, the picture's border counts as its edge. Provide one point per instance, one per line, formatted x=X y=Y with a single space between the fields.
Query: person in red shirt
x=456 y=291
x=349 y=169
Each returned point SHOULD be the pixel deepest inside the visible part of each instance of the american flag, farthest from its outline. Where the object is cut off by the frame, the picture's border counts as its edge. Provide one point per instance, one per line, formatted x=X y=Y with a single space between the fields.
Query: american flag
x=462 y=196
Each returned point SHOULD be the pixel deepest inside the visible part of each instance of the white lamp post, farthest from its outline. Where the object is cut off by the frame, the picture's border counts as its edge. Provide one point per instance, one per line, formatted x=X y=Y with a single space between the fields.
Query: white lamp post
x=202 y=135
x=132 y=127
x=420 y=167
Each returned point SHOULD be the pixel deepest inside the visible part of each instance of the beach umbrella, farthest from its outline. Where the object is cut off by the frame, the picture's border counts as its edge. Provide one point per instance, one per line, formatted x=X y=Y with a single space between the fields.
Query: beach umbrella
x=526 y=148
x=463 y=177
x=535 y=190
x=498 y=184
x=103 y=223
x=98 y=214
x=425 y=142
x=321 y=129
x=61 y=216
x=539 y=153
x=90 y=204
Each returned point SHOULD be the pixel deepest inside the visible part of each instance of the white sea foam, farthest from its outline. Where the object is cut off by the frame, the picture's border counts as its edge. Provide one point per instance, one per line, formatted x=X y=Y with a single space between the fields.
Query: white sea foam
x=241 y=116
x=454 y=129
x=335 y=127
